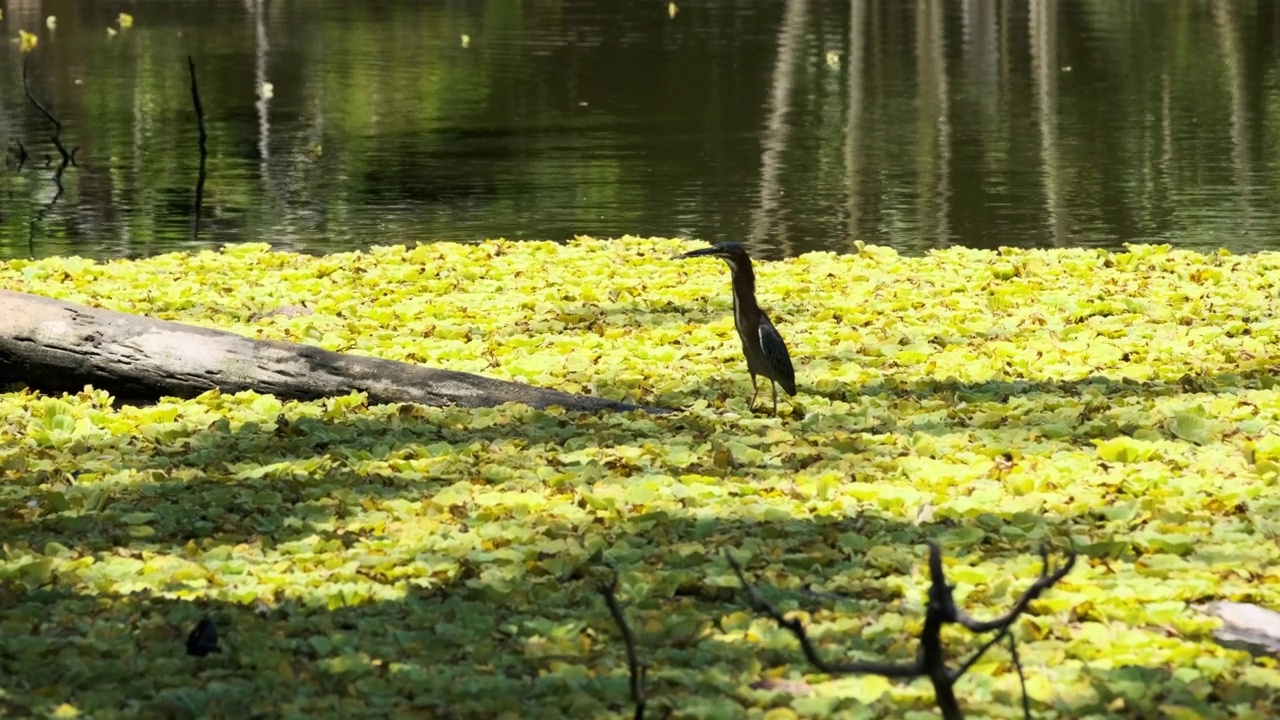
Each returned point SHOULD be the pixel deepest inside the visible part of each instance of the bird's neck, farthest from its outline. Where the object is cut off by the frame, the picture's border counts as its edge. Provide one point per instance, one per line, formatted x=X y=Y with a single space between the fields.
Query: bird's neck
x=744 y=285
x=744 y=278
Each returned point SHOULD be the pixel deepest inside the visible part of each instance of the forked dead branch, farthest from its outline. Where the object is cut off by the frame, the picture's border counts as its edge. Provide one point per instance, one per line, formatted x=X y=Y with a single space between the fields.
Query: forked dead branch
x=68 y=158
x=940 y=610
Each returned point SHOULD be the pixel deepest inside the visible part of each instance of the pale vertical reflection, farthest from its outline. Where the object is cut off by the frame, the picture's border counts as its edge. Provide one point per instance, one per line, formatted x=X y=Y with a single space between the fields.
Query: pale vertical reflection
x=1006 y=49
x=261 y=48
x=777 y=129
x=134 y=184
x=979 y=21
x=1044 y=54
x=853 y=134
x=1226 y=16
x=321 y=209
x=935 y=107
x=24 y=14
x=1166 y=126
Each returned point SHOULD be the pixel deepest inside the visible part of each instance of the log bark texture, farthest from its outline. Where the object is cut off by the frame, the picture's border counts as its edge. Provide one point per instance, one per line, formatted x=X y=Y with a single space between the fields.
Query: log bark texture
x=55 y=345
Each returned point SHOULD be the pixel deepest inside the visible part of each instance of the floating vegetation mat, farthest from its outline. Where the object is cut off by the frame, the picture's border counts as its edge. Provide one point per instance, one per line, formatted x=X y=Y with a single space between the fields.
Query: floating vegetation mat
x=402 y=561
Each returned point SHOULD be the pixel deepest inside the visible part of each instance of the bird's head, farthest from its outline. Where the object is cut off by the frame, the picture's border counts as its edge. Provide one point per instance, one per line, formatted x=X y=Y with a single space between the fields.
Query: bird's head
x=731 y=252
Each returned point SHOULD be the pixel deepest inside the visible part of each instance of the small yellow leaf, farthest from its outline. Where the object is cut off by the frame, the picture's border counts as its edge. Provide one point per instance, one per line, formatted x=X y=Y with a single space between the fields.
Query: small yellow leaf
x=27 y=41
x=865 y=689
x=672 y=10
x=36 y=573
x=112 y=32
x=466 y=40
x=51 y=22
x=125 y=20
x=1040 y=689
x=66 y=710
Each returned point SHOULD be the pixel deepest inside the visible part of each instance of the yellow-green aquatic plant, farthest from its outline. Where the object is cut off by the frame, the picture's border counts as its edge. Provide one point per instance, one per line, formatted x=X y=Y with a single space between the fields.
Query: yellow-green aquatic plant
x=436 y=562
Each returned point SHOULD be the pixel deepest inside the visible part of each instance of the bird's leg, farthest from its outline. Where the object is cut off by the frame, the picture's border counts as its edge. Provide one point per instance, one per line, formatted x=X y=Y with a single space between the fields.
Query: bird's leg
x=774 y=387
x=755 y=389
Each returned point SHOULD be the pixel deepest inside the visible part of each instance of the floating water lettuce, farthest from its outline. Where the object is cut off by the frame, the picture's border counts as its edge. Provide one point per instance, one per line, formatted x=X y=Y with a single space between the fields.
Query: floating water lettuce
x=410 y=561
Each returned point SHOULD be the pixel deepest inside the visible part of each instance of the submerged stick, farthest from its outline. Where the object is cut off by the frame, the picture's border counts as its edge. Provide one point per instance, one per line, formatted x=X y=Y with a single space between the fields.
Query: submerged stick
x=204 y=137
x=18 y=152
x=57 y=126
x=195 y=99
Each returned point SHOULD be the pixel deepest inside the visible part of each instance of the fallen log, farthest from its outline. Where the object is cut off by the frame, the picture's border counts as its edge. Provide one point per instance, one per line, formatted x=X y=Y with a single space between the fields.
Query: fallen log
x=53 y=345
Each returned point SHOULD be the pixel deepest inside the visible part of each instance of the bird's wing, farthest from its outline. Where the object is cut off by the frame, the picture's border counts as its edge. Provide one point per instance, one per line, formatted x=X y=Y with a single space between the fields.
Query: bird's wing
x=779 y=359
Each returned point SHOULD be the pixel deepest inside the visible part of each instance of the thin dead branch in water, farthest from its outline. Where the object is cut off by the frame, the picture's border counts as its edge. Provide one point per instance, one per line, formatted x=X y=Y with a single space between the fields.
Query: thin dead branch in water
x=67 y=157
x=204 y=152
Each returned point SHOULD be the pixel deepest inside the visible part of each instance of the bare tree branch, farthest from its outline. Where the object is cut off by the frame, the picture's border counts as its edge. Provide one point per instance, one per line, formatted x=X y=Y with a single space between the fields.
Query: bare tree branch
x=1046 y=580
x=977 y=655
x=796 y=628
x=637 y=670
x=940 y=610
x=1022 y=678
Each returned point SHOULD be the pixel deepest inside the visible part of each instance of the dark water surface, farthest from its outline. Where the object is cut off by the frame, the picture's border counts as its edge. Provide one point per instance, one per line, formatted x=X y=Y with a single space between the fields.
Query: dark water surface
x=794 y=126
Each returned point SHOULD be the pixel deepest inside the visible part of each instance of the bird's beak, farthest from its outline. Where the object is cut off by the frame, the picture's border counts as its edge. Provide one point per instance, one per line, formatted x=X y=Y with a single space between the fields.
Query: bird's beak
x=704 y=252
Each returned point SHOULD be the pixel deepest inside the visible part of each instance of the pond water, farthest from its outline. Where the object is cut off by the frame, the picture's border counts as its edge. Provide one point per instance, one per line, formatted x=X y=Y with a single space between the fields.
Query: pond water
x=791 y=125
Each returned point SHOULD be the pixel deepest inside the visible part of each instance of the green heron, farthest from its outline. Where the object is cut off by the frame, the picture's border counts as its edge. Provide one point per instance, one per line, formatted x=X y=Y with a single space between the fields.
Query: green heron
x=766 y=353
